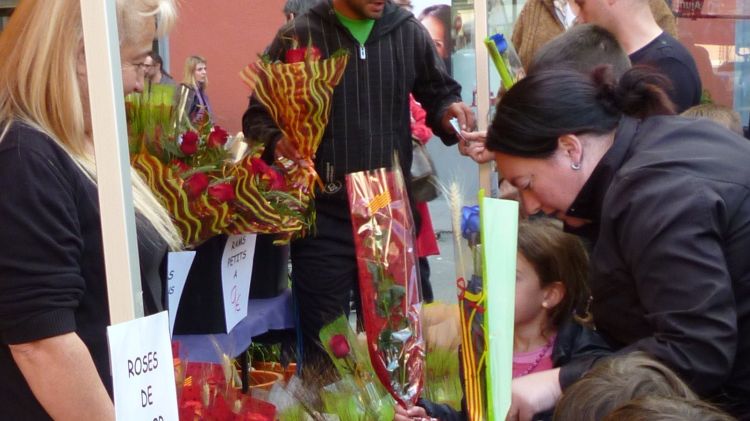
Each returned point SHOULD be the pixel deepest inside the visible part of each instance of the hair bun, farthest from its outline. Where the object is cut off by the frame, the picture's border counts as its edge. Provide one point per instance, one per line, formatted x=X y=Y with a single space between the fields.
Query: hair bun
x=642 y=92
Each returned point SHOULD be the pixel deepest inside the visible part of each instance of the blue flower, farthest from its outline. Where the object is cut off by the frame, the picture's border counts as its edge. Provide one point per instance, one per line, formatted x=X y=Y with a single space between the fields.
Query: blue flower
x=500 y=42
x=470 y=222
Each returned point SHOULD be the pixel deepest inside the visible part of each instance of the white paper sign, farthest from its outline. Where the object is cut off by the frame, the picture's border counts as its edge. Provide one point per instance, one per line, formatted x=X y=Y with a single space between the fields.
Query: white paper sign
x=178 y=266
x=142 y=371
x=236 y=269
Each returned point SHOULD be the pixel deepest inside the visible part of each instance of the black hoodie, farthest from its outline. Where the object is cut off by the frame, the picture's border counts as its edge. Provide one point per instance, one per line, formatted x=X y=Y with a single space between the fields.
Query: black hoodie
x=369 y=117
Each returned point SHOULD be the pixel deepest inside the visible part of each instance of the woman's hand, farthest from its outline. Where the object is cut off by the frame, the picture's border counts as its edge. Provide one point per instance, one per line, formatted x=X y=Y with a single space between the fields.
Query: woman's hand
x=534 y=393
x=411 y=414
x=473 y=146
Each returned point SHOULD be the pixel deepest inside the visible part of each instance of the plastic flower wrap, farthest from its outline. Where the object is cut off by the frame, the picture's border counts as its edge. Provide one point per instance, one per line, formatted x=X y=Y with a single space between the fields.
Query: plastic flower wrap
x=388 y=280
x=471 y=302
x=297 y=95
x=208 y=391
x=506 y=60
x=358 y=395
x=211 y=183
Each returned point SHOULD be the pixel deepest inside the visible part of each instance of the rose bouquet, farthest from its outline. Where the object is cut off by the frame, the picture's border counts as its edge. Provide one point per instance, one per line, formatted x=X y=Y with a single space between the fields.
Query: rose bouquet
x=485 y=248
x=297 y=95
x=471 y=303
x=208 y=391
x=388 y=280
x=211 y=183
x=358 y=395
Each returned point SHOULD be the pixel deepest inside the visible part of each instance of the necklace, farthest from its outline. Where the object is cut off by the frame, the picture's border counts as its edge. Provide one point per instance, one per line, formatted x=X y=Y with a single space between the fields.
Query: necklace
x=538 y=359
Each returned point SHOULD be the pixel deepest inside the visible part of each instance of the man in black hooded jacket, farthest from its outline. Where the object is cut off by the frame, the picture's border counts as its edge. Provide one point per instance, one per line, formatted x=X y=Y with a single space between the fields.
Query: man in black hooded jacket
x=391 y=55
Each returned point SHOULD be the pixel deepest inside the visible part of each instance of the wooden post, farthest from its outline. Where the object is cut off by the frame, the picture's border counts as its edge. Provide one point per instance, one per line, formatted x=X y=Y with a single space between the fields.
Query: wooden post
x=483 y=86
x=112 y=160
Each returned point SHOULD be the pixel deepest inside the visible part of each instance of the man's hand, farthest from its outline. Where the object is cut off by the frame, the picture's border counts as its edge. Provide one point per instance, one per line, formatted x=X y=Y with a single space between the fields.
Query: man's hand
x=534 y=393
x=413 y=413
x=462 y=113
x=285 y=148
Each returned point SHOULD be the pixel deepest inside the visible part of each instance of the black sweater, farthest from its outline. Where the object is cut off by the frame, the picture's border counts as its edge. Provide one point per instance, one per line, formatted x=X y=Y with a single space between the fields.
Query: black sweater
x=52 y=279
x=670 y=268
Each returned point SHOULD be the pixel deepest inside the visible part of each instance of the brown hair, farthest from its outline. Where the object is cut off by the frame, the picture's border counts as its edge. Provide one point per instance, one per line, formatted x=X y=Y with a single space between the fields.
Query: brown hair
x=667 y=408
x=615 y=381
x=720 y=114
x=556 y=256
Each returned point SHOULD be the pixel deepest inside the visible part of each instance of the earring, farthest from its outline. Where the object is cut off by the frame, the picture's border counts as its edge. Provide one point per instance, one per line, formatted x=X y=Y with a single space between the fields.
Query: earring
x=544 y=304
x=575 y=166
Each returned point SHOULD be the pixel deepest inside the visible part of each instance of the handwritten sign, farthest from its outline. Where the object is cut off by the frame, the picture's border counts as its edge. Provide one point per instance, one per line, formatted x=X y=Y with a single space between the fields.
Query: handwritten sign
x=178 y=266
x=236 y=269
x=142 y=371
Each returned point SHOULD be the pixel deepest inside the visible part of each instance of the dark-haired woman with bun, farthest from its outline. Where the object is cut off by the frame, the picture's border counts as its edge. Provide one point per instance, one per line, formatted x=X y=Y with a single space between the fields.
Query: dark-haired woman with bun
x=666 y=203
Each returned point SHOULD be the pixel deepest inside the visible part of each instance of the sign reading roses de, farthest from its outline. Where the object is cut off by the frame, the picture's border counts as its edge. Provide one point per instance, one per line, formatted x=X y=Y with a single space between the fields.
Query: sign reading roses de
x=142 y=371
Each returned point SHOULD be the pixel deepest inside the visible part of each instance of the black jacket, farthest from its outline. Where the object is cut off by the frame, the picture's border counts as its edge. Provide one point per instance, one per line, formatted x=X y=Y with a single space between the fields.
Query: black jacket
x=369 y=117
x=671 y=263
x=574 y=344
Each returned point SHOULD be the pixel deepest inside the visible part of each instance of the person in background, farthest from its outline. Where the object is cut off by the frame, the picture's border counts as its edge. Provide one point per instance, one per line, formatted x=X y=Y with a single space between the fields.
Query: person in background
x=719 y=114
x=542 y=20
x=193 y=86
x=54 y=361
x=370 y=120
x=155 y=72
x=437 y=20
x=635 y=27
x=551 y=327
x=294 y=8
x=589 y=149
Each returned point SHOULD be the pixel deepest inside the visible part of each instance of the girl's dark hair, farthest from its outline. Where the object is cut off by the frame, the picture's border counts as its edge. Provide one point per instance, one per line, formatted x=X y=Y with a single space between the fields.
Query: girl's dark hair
x=547 y=104
x=556 y=256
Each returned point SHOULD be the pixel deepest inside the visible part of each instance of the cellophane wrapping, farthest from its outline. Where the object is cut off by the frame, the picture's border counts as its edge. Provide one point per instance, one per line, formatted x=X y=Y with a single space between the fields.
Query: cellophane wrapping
x=384 y=239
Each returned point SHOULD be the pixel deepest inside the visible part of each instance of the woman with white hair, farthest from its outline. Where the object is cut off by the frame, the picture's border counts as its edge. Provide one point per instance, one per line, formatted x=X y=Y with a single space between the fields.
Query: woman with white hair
x=53 y=302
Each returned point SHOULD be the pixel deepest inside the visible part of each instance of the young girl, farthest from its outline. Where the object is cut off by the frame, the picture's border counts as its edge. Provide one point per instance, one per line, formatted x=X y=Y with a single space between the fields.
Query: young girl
x=551 y=270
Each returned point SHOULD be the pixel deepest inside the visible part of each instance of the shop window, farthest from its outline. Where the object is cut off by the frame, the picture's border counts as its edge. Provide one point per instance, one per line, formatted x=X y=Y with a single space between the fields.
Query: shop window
x=717 y=33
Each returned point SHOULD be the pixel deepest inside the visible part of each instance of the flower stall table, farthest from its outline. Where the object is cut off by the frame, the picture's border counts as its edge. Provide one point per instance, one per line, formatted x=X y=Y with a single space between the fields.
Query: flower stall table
x=262 y=315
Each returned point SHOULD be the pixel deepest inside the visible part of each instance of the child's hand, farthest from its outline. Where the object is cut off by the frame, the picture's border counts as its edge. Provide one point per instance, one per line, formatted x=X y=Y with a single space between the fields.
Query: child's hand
x=413 y=413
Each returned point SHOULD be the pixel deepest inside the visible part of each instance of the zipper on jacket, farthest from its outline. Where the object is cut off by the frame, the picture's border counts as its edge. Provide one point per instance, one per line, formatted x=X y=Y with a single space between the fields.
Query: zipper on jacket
x=362 y=52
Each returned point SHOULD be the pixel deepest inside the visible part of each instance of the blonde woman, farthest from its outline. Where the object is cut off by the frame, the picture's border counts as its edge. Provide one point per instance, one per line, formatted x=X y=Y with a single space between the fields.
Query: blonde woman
x=53 y=304
x=194 y=83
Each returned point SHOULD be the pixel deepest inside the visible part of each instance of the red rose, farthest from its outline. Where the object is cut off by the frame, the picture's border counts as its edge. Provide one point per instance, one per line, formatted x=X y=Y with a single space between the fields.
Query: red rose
x=179 y=166
x=195 y=184
x=275 y=180
x=223 y=192
x=189 y=143
x=258 y=166
x=217 y=138
x=296 y=55
x=339 y=346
